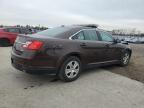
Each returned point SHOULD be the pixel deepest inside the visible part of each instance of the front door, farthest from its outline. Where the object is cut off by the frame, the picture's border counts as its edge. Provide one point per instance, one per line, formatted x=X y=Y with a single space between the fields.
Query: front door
x=92 y=49
x=111 y=52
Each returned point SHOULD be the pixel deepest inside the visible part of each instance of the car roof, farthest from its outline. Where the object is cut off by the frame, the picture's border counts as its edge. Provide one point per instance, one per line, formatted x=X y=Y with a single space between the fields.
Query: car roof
x=81 y=27
x=72 y=30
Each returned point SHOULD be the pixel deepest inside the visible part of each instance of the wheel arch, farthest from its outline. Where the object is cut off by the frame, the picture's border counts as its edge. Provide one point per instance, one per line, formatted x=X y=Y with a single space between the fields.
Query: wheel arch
x=4 y=38
x=127 y=49
x=76 y=54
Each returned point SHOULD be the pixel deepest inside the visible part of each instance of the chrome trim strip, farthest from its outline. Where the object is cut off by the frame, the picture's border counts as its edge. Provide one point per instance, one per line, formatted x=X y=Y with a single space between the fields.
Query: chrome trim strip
x=103 y=62
x=80 y=31
x=74 y=34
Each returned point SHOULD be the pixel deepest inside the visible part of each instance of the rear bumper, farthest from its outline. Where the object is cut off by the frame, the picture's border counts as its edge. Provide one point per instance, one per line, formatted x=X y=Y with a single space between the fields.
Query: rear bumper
x=25 y=65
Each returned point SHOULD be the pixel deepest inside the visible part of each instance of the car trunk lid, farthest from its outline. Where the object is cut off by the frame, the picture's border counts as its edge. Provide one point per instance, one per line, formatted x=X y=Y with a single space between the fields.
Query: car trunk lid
x=26 y=43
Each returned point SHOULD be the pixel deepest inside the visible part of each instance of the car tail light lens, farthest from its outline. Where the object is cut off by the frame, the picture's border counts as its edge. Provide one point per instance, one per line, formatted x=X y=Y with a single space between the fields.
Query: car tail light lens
x=33 y=45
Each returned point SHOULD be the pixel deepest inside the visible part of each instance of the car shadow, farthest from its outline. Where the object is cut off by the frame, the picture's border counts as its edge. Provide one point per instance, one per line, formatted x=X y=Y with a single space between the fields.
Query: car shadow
x=43 y=78
x=38 y=80
x=27 y=81
x=6 y=46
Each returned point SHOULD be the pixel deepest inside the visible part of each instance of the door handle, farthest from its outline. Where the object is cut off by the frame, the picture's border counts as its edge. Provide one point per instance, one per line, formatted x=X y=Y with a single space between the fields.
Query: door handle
x=83 y=44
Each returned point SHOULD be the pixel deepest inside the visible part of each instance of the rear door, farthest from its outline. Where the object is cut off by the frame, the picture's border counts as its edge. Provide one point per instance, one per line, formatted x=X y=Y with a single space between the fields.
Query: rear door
x=91 y=48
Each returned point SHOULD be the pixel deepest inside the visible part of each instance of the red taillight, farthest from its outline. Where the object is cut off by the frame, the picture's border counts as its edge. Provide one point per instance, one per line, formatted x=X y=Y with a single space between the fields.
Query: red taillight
x=33 y=45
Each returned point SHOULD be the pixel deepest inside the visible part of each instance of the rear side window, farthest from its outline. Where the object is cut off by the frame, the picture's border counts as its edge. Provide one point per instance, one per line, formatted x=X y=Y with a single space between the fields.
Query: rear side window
x=79 y=36
x=53 y=31
x=105 y=36
x=90 y=35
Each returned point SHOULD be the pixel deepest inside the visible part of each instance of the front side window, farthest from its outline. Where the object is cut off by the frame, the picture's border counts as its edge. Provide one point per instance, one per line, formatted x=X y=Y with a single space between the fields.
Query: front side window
x=105 y=36
x=90 y=35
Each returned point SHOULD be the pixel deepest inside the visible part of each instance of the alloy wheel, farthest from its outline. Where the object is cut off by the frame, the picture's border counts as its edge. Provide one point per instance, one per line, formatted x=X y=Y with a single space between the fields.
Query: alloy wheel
x=126 y=58
x=72 y=69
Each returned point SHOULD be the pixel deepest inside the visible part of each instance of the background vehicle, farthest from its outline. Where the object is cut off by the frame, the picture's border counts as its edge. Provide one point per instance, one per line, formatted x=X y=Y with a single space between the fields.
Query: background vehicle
x=9 y=34
x=67 y=50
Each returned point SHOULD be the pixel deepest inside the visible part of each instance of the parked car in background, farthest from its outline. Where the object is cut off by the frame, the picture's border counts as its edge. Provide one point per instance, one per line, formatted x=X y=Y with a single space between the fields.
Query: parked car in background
x=65 y=51
x=130 y=39
x=9 y=34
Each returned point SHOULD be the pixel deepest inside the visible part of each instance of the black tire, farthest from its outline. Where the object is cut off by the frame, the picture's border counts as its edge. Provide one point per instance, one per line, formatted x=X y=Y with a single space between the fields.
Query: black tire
x=62 y=72
x=123 y=61
x=4 y=42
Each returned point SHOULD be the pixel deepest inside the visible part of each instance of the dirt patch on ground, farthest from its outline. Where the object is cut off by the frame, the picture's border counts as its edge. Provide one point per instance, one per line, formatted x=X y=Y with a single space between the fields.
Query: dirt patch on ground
x=135 y=70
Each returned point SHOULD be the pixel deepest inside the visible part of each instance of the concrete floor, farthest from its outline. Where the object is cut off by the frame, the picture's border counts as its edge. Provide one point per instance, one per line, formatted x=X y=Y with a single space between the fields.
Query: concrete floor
x=94 y=89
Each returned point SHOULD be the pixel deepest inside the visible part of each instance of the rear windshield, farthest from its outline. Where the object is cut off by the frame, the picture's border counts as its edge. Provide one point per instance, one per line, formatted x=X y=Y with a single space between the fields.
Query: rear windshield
x=53 y=31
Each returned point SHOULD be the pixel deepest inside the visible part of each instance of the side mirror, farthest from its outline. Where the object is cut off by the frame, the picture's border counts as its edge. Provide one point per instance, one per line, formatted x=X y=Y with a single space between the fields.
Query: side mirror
x=125 y=42
x=117 y=41
x=122 y=39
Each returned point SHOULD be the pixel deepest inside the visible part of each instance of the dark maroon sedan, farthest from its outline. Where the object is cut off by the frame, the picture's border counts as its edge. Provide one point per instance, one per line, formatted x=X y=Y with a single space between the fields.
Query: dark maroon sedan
x=66 y=50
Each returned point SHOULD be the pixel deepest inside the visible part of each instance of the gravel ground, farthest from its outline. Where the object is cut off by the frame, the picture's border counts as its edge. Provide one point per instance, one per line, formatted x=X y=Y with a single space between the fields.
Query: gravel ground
x=135 y=70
